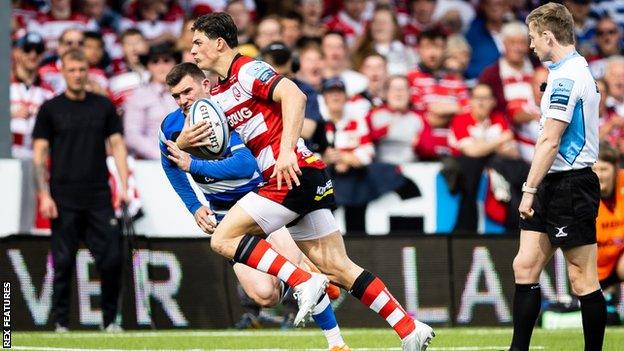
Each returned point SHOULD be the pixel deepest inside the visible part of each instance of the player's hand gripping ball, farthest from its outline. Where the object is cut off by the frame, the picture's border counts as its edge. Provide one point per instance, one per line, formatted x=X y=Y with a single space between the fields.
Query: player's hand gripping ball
x=216 y=142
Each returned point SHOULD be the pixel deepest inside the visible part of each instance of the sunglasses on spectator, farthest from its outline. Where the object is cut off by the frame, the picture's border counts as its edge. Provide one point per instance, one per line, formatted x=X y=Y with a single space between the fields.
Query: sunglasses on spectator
x=157 y=60
x=37 y=48
x=606 y=32
x=74 y=43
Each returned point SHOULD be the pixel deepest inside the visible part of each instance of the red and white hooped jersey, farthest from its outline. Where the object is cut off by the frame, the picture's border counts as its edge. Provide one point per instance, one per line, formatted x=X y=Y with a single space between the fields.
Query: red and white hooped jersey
x=30 y=97
x=427 y=89
x=245 y=96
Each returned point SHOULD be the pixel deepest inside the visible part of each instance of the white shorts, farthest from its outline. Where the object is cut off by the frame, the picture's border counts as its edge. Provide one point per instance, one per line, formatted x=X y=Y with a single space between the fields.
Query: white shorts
x=271 y=216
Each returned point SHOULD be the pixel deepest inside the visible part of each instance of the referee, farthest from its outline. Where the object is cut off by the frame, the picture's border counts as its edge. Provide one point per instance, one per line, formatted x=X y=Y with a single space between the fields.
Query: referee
x=561 y=194
x=70 y=134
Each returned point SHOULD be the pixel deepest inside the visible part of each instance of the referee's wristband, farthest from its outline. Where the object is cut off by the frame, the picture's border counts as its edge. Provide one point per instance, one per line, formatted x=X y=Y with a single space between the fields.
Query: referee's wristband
x=528 y=189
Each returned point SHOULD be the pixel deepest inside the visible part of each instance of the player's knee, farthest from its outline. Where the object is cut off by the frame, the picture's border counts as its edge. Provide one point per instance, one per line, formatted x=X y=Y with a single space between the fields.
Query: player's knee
x=582 y=282
x=338 y=269
x=525 y=270
x=217 y=244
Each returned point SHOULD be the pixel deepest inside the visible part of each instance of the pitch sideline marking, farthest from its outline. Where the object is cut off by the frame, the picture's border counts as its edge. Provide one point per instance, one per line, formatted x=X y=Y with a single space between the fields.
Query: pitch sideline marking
x=442 y=348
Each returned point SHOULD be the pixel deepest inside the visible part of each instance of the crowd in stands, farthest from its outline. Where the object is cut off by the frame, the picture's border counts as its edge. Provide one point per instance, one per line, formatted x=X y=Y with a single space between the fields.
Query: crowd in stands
x=388 y=81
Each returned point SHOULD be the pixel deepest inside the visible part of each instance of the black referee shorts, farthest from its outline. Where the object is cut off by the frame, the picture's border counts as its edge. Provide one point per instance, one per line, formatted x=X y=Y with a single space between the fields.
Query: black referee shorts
x=566 y=206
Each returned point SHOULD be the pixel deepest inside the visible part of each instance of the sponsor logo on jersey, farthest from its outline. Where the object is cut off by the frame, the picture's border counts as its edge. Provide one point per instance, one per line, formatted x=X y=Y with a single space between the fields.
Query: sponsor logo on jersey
x=261 y=71
x=560 y=96
x=239 y=116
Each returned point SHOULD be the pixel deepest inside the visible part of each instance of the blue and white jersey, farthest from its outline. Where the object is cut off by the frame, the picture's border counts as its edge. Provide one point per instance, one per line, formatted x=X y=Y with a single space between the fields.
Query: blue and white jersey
x=572 y=96
x=221 y=181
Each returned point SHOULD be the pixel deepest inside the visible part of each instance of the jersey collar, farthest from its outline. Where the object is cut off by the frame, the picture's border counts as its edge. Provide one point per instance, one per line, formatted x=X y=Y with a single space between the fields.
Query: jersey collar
x=554 y=66
x=229 y=72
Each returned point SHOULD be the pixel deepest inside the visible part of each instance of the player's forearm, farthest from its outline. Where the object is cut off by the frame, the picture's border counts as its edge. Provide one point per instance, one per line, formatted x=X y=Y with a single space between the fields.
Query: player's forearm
x=40 y=169
x=545 y=153
x=293 y=108
x=240 y=165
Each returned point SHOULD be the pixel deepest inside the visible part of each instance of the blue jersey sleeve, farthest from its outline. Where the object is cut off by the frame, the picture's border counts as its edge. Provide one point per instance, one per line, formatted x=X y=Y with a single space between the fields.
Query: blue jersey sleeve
x=240 y=164
x=177 y=178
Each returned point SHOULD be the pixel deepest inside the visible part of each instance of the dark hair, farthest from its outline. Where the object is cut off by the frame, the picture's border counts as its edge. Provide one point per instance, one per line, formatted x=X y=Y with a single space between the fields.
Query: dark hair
x=432 y=34
x=74 y=55
x=129 y=32
x=293 y=15
x=609 y=154
x=218 y=25
x=277 y=53
x=94 y=35
x=182 y=70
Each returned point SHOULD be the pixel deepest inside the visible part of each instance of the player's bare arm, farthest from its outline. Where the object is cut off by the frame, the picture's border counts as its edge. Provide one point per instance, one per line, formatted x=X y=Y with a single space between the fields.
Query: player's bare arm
x=546 y=150
x=293 y=108
x=47 y=206
x=120 y=154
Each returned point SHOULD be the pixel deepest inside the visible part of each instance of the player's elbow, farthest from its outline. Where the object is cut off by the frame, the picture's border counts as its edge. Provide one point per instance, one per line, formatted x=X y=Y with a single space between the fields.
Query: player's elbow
x=550 y=143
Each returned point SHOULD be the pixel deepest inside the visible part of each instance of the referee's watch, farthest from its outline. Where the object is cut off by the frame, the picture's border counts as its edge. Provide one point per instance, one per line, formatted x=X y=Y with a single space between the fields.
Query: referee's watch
x=528 y=189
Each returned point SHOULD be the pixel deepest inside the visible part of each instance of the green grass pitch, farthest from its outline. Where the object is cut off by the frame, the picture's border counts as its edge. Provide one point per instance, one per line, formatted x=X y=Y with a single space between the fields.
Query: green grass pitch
x=458 y=339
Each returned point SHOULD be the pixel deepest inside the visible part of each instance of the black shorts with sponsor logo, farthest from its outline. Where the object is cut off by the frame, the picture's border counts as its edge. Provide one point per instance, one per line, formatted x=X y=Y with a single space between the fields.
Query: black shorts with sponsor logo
x=566 y=207
x=315 y=192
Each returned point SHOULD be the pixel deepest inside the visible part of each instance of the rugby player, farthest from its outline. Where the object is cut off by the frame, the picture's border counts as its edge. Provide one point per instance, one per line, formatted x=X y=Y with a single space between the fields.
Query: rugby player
x=223 y=182
x=561 y=194
x=267 y=110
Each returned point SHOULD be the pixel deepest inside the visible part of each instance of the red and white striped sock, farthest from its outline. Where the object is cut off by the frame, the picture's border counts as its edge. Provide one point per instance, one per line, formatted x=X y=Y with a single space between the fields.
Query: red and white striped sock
x=257 y=253
x=374 y=294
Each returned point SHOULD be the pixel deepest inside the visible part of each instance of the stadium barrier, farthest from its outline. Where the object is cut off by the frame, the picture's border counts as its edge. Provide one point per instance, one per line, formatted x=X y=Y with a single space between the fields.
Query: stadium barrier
x=181 y=283
x=434 y=211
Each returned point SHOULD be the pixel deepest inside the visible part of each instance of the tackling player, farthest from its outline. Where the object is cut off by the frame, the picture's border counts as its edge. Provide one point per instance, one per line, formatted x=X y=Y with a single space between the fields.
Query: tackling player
x=223 y=182
x=561 y=194
x=267 y=110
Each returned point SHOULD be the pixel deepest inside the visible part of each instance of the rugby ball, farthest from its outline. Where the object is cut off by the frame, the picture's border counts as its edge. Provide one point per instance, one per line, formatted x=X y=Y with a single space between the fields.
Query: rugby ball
x=208 y=110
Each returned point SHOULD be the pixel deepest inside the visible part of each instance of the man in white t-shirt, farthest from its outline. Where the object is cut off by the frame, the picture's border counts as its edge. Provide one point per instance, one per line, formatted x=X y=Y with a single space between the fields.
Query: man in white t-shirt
x=561 y=195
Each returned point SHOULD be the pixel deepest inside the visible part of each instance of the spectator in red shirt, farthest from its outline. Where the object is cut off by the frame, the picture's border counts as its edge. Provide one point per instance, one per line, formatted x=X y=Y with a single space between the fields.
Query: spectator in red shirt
x=349 y=21
x=159 y=20
x=57 y=20
x=129 y=71
x=420 y=19
x=510 y=79
x=50 y=71
x=436 y=94
x=482 y=140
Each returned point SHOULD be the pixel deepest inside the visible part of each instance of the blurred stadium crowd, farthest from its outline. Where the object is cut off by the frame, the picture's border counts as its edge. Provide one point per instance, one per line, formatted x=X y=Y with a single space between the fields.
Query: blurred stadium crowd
x=388 y=82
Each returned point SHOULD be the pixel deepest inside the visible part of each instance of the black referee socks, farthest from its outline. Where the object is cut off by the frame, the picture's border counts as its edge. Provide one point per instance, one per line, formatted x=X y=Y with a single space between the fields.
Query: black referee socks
x=526 y=307
x=594 y=310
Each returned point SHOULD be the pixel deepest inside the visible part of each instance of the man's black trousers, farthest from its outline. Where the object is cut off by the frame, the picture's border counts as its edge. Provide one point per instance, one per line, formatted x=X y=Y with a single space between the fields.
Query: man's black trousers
x=100 y=231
